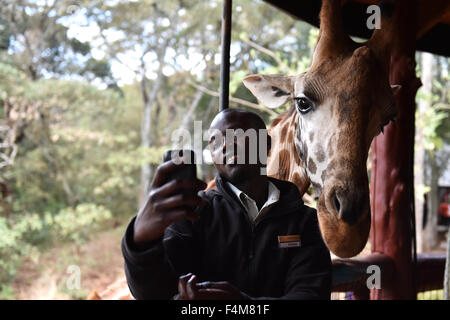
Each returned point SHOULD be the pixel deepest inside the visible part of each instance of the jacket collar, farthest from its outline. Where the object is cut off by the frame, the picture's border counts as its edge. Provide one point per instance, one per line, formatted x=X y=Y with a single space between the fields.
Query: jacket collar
x=290 y=198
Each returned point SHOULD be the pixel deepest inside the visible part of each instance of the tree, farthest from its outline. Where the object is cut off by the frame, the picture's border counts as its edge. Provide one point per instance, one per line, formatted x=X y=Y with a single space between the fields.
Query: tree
x=423 y=105
x=432 y=128
x=35 y=40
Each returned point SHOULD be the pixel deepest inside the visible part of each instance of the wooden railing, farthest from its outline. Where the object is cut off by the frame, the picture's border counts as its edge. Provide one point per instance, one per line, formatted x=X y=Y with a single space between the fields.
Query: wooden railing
x=430 y=272
x=350 y=275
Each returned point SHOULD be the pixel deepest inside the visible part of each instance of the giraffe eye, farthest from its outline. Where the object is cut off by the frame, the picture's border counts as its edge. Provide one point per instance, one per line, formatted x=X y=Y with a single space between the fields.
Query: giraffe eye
x=303 y=104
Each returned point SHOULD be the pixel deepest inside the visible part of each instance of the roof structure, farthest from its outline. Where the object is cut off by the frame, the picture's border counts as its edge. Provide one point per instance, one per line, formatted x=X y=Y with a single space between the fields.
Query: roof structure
x=433 y=19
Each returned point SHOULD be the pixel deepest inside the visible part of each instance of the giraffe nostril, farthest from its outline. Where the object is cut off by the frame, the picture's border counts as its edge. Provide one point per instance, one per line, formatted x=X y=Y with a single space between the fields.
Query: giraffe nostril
x=336 y=203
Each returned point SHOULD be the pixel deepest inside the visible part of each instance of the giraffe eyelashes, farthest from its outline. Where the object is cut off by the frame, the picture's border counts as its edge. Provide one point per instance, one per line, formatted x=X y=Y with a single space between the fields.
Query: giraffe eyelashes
x=303 y=104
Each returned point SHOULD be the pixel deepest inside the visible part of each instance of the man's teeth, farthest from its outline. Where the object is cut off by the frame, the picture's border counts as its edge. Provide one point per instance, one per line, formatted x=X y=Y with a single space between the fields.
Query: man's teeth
x=231 y=160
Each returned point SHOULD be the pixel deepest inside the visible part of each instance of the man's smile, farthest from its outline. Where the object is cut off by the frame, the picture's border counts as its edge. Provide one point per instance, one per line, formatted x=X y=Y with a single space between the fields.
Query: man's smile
x=231 y=160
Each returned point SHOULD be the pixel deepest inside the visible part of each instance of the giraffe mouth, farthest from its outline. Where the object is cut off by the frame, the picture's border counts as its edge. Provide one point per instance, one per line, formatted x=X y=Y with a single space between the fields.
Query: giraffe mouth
x=343 y=239
x=344 y=222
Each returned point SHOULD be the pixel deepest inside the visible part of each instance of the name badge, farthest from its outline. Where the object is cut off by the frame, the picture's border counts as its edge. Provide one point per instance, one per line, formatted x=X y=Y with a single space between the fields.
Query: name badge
x=290 y=241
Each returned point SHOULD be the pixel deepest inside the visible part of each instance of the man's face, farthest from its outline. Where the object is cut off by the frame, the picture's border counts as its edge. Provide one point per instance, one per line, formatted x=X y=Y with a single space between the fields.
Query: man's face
x=237 y=146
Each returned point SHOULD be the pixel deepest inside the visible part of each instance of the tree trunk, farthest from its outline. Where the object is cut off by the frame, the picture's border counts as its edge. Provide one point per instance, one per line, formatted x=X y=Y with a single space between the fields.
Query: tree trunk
x=211 y=105
x=172 y=114
x=6 y=208
x=146 y=139
x=195 y=102
x=423 y=106
x=433 y=203
x=156 y=121
x=207 y=170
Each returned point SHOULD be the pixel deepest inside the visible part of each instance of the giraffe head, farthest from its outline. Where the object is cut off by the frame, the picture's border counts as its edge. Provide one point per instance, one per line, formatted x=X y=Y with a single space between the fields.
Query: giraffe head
x=341 y=103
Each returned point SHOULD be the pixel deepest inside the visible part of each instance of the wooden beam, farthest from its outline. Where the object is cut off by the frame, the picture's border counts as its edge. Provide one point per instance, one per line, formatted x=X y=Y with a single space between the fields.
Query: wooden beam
x=430 y=14
x=429 y=39
x=430 y=271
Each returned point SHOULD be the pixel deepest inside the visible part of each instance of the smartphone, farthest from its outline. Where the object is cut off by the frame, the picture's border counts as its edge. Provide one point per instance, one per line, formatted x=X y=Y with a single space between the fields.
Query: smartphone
x=186 y=160
x=187 y=168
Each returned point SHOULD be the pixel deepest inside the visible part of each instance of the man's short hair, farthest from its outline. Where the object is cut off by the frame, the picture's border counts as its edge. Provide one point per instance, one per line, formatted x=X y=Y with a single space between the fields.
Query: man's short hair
x=255 y=118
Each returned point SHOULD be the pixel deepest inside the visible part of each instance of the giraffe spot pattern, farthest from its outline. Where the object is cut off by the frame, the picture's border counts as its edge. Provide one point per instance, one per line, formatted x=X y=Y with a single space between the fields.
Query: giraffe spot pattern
x=312 y=166
x=297 y=159
x=284 y=164
x=283 y=133
x=296 y=179
x=331 y=167
x=291 y=137
x=320 y=154
x=317 y=188
x=323 y=176
x=304 y=153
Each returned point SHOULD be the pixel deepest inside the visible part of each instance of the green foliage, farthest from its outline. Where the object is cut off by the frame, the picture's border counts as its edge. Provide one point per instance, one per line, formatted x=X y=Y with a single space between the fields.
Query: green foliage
x=13 y=247
x=5 y=34
x=36 y=37
x=76 y=224
x=21 y=234
x=6 y=292
x=69 y=153
x=432 y=119
x=236 y=80
x=431 y=295
x=78 y=46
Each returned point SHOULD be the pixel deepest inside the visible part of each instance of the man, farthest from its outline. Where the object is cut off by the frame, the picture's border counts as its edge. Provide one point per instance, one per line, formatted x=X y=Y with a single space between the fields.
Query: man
x=251 y=238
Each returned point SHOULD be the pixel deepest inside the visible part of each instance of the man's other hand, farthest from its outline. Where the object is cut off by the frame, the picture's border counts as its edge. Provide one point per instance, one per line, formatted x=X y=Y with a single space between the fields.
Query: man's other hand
x=168 y=201
x=190 y=289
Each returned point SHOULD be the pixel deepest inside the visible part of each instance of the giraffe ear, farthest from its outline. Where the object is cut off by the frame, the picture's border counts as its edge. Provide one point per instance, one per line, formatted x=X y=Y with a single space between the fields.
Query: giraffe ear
x=272 y=90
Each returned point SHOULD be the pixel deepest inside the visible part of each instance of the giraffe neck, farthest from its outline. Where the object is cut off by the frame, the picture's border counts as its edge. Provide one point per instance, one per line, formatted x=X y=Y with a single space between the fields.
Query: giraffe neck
x=284 y=162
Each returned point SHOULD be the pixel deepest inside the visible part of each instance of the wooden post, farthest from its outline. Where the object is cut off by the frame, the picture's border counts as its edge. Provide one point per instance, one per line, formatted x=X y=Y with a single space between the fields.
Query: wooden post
x=392 y=183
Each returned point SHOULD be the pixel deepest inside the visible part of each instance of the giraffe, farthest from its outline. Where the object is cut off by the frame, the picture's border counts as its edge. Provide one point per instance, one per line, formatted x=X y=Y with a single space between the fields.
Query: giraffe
x=337 y=107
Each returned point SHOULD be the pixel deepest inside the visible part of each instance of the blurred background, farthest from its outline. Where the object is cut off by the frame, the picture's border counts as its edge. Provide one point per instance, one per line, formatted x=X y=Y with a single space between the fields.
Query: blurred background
x=90 y=93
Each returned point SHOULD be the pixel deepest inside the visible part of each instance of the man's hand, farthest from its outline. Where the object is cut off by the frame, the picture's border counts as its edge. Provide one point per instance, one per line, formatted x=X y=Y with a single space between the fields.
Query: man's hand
x=190 y=289
x=167 y=202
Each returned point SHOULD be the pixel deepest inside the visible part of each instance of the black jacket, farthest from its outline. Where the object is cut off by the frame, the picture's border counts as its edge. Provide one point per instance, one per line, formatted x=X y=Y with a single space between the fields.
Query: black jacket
x=224 y=246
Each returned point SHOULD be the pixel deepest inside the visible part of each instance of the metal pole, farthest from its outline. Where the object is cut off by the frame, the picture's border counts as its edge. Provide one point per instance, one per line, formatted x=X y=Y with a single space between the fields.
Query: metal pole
x=225 y=65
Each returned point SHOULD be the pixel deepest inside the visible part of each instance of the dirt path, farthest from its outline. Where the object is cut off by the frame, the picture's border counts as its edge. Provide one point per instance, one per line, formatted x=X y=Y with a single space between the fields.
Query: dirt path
x=99 y=263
